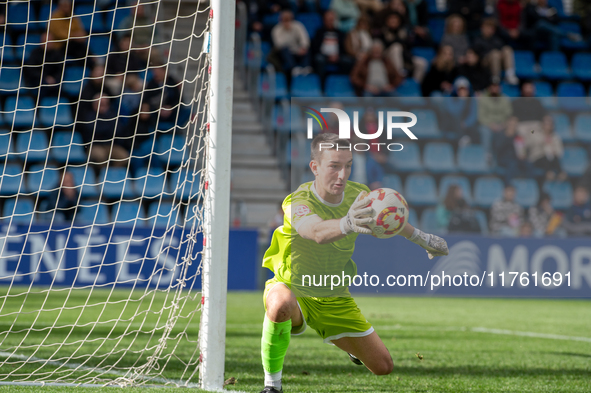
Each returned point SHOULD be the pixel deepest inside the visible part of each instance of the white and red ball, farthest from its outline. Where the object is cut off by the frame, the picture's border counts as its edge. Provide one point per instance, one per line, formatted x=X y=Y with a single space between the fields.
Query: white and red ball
x=390 y=211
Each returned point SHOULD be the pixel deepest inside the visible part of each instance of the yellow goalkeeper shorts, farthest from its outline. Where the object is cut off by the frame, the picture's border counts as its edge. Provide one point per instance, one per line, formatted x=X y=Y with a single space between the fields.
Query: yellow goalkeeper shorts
x=331 y=317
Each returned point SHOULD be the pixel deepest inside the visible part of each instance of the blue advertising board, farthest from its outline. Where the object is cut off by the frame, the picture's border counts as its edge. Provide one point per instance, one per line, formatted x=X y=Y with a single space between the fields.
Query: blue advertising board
x=107 y=255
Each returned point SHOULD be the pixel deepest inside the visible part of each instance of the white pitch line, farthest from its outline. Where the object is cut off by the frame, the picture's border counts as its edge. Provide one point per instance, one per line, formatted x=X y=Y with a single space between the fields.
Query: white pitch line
x=530 y=334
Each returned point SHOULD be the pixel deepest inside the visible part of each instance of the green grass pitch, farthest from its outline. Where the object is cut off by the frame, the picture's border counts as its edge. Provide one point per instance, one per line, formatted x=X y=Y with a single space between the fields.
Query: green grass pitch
x=467 y=345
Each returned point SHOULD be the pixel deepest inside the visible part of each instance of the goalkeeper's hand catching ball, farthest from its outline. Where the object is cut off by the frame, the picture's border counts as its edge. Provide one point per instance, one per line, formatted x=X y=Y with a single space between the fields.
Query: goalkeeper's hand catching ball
x=359 y=214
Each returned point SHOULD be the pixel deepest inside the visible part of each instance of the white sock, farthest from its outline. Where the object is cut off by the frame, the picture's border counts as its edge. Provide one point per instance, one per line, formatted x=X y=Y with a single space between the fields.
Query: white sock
x=273 y=380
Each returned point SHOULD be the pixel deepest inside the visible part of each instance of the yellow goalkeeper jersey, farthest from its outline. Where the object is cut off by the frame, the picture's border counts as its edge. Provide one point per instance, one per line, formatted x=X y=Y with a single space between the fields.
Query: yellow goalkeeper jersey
x=302 y=263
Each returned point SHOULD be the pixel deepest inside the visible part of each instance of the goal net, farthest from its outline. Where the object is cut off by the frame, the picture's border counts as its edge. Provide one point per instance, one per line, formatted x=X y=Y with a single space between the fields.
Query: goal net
x=103 y=176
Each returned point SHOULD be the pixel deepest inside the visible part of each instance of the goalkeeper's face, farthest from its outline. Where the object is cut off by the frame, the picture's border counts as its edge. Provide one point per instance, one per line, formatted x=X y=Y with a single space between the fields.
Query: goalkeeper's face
x=332 y=173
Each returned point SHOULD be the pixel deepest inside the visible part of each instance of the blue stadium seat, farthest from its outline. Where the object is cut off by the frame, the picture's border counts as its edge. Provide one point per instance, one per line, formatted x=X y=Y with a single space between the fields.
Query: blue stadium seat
x=270 y=20
x=6 y=57
x=20 y=211
x=561 y=193
x=312 y=21
x=413 y=219
x=25 y=44
x=392 y=181
x=306 y=86
x=557 y=4
x=114 y=19
x=472 y=159
x=582 y=127
x=426 y=52
x=571 y=96
x=543 y=89
x=526 y=192
x=432 y=7
x=53 y=113
x=572 y=28
x=19 y=112
x=171 y=150
x=150 y=183
x=281 y=120
x=436 y=27
x=427 y=126
x=554 y=65
x=482 y=220
x=580 y=65
x=575 y=160
x=420 y=190
x=99 y=45
x=11 y=180
x=85 y=179
x=17 y=16
x=562 y=126
x=510 y=90
x=338 y=86
x=251 y=55
x=116 y=183
x=67 y=147
x=461 y=181
x=525 y=64
x=128 y=212
x=439 y=157
x=185 y=184
x=32 y=146
x=72 y=81
x=280 y=86
x=92 y=213
x=408 y=159
x=163 y=215
x=487 y=190
x=43 y=180
x=429 y=222
x=6 y=145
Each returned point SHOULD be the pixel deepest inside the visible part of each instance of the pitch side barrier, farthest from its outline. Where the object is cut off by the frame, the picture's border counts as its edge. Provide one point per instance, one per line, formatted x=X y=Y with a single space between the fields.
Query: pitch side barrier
x=82 y=257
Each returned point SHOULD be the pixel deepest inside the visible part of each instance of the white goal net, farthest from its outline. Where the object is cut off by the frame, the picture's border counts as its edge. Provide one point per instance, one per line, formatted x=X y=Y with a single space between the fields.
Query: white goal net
x=103 y=150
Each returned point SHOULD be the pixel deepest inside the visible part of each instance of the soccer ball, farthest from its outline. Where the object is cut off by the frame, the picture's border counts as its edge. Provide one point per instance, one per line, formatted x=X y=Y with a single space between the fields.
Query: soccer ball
x=390 y=212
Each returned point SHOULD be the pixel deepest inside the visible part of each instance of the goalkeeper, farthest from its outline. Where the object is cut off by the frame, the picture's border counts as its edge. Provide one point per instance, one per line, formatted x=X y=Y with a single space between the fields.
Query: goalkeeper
x=322 y=221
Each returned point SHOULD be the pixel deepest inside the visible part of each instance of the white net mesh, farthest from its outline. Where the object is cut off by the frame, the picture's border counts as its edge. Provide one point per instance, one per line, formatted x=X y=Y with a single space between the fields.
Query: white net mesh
x=103 y=128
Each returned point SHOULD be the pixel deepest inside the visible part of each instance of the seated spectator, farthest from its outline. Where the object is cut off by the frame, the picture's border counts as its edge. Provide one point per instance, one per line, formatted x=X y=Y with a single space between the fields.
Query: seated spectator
x=494 y=108
x=347 y=13
x=375 y=75
x=471 y=10
x=442 y=73
x=96 y=84
x=391 y=7
x=291 y=44
x=104 y=132
x=463 y=219
x=258 y=10
x=418 y=21
x=509 y=151
x=494 y=53
x=163 y=93
x=445 y=209
x=140 y=25
x=69 y=32
x=395 y=38
x=461 y=114
x=544 y=150
x=529 y=110
x=45 y=66
x=512 y=30
x=126 y=58
x=542 y=21
x=455 y=36
x=64 y=201
x=328 y=48
x=506 y=216
x=144 y=125
x=473 y=70
x=358 y=41
x=541 y=216
x=577 y=220
x=132 y=95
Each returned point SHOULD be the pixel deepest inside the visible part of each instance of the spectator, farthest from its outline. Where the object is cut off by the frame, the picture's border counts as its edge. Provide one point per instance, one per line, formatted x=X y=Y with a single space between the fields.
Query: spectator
x=126 y=59
x=140 y=25
x=144 y=124
x=494 y=108
x=258 y=9
x=512 y=31
x=455 y=36
x=582 y=8
x=328 y=48
x=445 y=209
x=95 y=85
x=542 y=21
x=506 y=215
x=63 y=200
x=463 y=219
x=45 y=66
x=526 y=229
x=442 y=74
x=470 y=10
x=375 y=75
x=494 y=53
x=478 y=75
x=418 y=20
x=529 y=110
x=348 y=12
x=545 y=150
x=461 y=114
x=163 y=93
x=105 y=134
x=392 y=7
x=358 y=41
x=2 y=16
x=578 y=217
x=132 y=95
x=291 y=44
x=69 y=32
x=509 y=151
x=395 y=38
x=540 y=216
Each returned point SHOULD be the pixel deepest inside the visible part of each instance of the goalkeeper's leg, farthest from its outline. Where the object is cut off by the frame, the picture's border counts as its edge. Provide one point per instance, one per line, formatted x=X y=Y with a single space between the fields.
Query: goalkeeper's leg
x=370 y=350
x=282 y=313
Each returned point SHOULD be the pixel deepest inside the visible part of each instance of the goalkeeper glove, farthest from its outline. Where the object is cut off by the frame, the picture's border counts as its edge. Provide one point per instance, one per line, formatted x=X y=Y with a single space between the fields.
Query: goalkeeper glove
x=358 y=215
x=434 y=245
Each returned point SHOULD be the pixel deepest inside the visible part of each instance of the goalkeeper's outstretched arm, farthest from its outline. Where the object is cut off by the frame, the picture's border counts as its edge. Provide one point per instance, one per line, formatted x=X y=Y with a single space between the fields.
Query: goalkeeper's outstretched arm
x=434 y=245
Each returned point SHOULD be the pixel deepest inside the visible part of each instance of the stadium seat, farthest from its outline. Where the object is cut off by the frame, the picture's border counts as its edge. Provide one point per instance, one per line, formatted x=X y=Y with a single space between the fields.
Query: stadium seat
x=526 y=192
x=580 y=65
x=270 y=20
x=510 y=90
x=572 y=28
x=439 y=157
x=32 y=146
x=392 y=181
x=10 y=79
x=86 y=180
x=99 y=45
x=25 y=44
x=543 y=89
x=67 y=147
x=53 y=113
x=312 y=21
x=11 y=180
x=130 y=212
x=525 y=64
x=472 y=159
x=575 y=160
x=338 y=86
x=280 y=86
x=72 y=81
x=251 y=56
x=427 y=126
x=413 y=219
x=150 y=183
x=562 y=126
x=435 y=7
x=426 y=52
x=406 y=160
x=561 y=194
x=114 y=19
x=92 y=213
x=461 y=181
x=185 y=184
x=162 y=214
x=482 y=220
x=559 y=6
x=17 y=15
x=582 y=127
x=171 y=150
x=420 y=190
x=19 y=210
x=487 y=190
x=116 y=183
x=554 y=65
x=571 y=96
x=43 y=180
x=19 y=112
x=281 y=120
x=6 y=57
x=306 y=86
x=6 y=145
x=429 y=222
x=436 y=27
